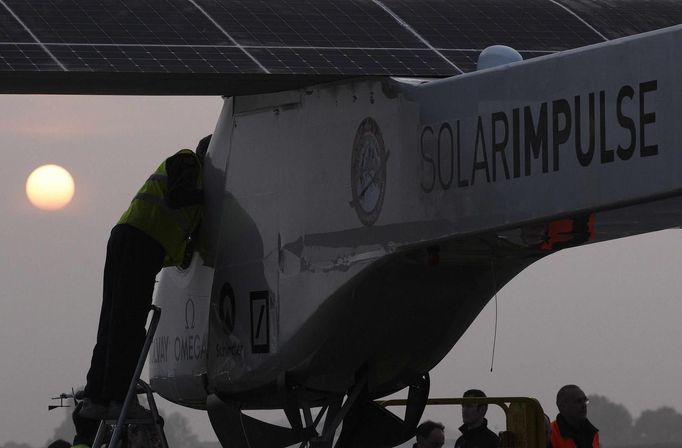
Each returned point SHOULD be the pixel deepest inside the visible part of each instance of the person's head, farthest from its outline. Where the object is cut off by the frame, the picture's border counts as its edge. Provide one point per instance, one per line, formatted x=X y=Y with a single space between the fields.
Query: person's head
x=572 y=403
x=473 y=414
x=202 y=147
x=430 y=435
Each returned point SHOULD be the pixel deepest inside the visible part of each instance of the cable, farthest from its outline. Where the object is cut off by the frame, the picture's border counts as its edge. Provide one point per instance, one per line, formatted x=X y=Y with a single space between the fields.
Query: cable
x=246 y=435
x=492 y=359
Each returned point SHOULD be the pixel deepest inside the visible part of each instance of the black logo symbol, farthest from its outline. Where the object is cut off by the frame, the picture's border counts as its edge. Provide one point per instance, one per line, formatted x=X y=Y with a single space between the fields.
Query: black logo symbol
x=260 y=322
x=227 y=308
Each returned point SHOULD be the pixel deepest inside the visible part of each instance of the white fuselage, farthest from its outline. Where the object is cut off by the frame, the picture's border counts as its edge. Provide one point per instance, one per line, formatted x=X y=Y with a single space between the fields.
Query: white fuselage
x=320 y=204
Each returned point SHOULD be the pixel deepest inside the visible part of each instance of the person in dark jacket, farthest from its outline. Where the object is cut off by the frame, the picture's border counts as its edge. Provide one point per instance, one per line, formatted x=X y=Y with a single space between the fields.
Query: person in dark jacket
x=475 y=432
x=154 y=232
x=572 y=429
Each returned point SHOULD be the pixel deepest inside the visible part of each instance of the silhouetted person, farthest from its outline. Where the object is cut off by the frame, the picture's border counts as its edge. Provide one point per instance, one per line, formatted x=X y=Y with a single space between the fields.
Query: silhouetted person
x=154 y=232
x=430 y=435
x=475 y=432
x=572 y=429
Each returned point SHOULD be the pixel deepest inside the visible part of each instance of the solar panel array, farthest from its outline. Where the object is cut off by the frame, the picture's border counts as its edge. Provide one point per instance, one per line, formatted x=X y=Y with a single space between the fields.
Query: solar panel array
x=217 y=41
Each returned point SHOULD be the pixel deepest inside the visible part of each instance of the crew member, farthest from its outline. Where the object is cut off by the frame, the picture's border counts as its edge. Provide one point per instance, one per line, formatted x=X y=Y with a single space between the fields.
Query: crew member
x=572 y=429
x=154 y=232
x=475 y=432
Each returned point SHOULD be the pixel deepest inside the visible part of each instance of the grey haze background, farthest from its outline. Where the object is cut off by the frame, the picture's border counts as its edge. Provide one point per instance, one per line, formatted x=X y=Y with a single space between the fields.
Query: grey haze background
x=606 y=316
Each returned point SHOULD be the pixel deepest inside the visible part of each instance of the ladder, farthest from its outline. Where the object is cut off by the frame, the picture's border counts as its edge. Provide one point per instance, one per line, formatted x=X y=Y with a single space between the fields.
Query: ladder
x=137 y=387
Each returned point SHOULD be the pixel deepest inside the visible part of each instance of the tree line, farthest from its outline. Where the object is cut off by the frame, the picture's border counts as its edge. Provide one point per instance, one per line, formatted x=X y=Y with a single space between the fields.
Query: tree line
x=176 y=427
x=617 y=427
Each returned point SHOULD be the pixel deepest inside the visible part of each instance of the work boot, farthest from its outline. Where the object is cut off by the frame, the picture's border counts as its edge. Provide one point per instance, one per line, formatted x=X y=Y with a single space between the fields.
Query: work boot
x=135 y=411
x=92 y=410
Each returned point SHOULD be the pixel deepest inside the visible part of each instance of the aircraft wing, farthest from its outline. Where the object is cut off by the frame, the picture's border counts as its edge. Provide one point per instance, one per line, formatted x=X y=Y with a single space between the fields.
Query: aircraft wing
x=231 y=47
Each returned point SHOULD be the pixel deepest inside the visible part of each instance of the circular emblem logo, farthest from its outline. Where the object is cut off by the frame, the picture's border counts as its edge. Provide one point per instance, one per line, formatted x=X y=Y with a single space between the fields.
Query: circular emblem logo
x=368 y=171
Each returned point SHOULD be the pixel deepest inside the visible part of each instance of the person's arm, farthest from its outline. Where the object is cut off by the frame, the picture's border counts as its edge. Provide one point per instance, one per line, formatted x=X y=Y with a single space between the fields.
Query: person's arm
x=182 y=171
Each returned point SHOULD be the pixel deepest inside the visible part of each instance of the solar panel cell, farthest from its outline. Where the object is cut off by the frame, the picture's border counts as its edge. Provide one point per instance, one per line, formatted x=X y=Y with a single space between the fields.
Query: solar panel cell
x=29 y=58
x=10 y=29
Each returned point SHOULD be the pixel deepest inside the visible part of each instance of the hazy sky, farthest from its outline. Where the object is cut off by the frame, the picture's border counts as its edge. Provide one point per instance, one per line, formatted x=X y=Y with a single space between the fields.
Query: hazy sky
x=606 y=316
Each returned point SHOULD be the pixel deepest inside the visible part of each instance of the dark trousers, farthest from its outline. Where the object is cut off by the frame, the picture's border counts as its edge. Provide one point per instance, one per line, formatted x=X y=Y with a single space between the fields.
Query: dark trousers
x=133 y=260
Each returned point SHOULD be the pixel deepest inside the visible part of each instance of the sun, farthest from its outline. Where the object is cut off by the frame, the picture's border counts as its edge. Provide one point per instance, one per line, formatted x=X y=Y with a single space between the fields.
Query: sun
x=49 y=187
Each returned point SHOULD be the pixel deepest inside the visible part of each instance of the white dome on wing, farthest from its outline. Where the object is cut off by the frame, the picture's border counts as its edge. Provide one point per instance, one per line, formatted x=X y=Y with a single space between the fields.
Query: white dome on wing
x=497 y=55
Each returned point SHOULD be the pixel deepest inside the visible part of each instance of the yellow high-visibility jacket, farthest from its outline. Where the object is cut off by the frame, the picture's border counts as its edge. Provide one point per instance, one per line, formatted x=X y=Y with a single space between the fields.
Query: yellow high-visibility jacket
x=151 y=212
